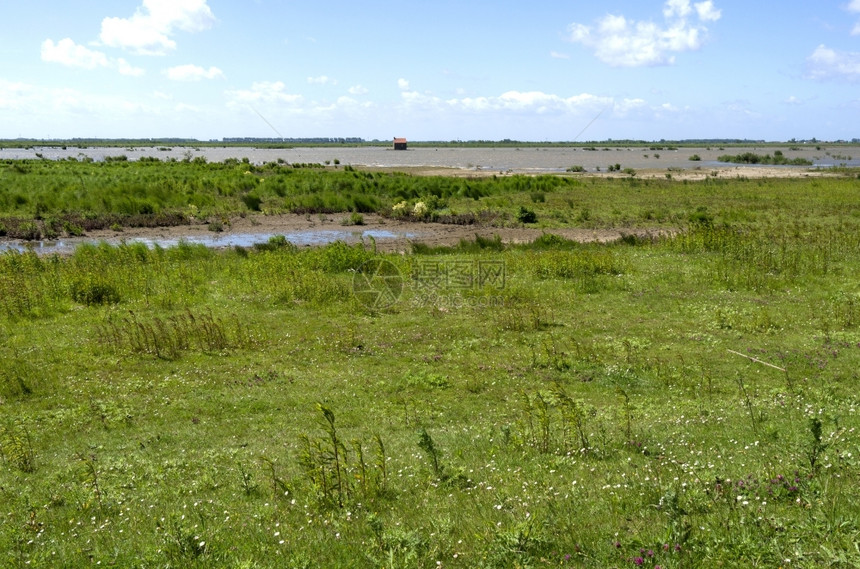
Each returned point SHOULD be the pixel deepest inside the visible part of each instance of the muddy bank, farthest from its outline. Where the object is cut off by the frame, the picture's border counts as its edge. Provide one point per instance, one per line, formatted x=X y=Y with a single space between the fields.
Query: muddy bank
x=315 y=230
x=389 y=234
x=691 y=174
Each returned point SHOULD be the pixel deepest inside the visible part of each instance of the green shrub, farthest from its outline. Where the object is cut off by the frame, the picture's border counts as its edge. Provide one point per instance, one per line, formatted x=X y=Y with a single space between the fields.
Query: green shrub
x=525 y=215
x=424 y=379
x=493 y=243
x=552 y=241
x=73 y=229
x=354 y=218
x=252 y=202
x=778 y=159
x=93 y=293
x=274 y=243
x=575 y=264
x=52 y=228
x=701 y=217
x=29 y=231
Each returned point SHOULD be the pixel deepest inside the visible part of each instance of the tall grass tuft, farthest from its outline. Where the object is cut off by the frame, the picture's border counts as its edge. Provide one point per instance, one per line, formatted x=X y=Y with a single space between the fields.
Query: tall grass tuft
x=336 y=476
x=16 y=446
x=168 y=338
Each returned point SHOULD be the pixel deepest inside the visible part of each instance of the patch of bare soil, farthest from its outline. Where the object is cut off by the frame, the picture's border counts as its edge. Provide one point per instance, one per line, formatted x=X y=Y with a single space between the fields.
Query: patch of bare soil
x=691 y=174
x=751 y=172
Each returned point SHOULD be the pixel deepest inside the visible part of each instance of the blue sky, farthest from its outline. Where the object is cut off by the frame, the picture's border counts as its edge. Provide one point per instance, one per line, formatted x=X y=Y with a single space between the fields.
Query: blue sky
x=431 y=70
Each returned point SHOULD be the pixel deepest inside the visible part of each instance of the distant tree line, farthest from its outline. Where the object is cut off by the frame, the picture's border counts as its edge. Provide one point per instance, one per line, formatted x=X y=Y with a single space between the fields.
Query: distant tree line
x=251 y=140
x=314 y=140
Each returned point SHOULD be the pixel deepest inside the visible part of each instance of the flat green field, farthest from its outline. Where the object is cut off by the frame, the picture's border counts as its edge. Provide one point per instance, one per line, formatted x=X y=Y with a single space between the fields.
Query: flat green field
x=683 y=401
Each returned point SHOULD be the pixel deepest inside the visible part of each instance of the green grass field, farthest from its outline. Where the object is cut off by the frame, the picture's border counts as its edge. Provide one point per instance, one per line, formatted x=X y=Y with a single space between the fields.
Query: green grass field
x=687 y=401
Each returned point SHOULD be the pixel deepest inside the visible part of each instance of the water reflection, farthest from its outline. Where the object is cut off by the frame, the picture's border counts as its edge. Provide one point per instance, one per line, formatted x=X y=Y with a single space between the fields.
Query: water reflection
x=533 y=160
x=299 y=238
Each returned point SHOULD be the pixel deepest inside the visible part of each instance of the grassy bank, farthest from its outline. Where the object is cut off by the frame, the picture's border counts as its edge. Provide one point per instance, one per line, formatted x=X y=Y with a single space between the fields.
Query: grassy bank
x=49 y=199
x=684 y=402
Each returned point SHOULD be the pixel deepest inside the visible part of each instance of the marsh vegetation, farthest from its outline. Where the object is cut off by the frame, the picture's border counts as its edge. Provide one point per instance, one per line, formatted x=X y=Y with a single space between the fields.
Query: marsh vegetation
x=777 y=159
x=686 y=400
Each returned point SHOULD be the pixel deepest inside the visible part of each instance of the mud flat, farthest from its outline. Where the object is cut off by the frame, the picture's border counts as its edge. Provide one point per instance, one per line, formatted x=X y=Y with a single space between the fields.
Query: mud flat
x=307 y=231
x=507 y=159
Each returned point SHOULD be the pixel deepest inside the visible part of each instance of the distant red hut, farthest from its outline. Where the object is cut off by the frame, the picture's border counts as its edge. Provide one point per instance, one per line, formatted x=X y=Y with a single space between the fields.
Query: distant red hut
x=399 y=144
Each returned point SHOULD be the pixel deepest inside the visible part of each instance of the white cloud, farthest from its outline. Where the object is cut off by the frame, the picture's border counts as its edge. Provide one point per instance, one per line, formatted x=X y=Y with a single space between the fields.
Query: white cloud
x=626 y=106
x=620 y=42
x=186 y=108
x=854 y=6
x=349 y=104
x=523 y=114
x=707 y=12
x=265 y=91
x=272 y=100
x=741 y=108
x=357 y=90
x=682 y=8
x=14 y=95
x=192 y=73
x=66 y=52
x=536 y=101
x=533 y=111
x=531 y=114
x=403 y=84
x=55 y=105
x=125 y=68
x=826 y=63
x=322 y=80
x=510 y=102
x=141 y=39
x=557 y=55
x=676 y=8
x=149 y=30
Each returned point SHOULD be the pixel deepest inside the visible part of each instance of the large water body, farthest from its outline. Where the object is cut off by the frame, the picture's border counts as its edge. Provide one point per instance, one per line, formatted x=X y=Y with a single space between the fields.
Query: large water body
x=496 y=159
